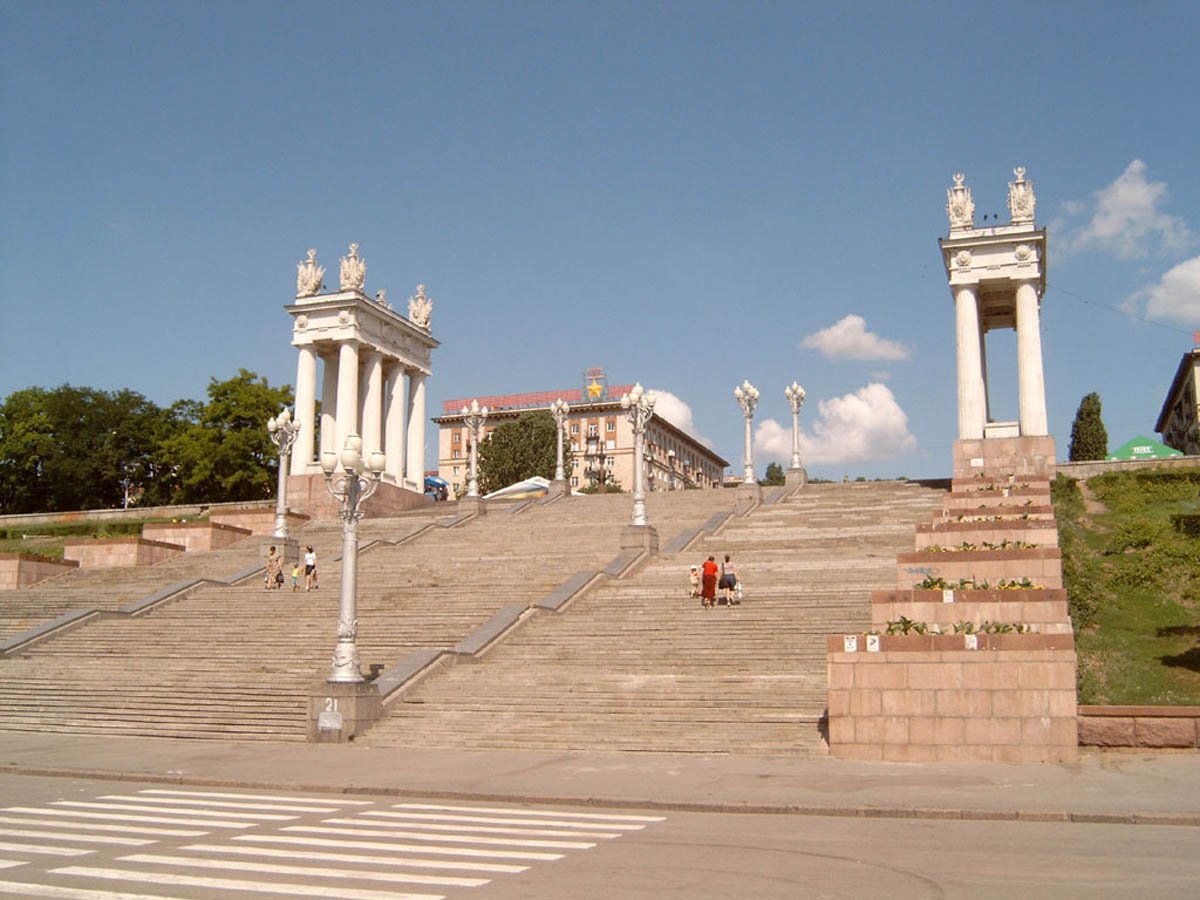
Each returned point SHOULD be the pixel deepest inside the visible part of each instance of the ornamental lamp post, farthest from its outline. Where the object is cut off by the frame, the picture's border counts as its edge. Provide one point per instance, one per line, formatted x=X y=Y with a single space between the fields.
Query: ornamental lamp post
x=473 y=417
x=560 y=409
x=283 y=432
x=795 y=397
x=747 y=398
x=350 y=482
x=639 y=407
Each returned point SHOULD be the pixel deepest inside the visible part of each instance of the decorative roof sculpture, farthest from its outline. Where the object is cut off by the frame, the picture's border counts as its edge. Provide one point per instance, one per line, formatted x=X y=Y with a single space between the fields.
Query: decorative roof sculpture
x=420 y=308
x=353 y=271
x=309 y=276
x=960 y=208
x=1021 y=200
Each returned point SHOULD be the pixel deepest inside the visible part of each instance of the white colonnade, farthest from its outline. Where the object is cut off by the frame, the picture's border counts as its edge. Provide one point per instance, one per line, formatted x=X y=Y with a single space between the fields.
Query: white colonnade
x=375 y=362
x=997 y=277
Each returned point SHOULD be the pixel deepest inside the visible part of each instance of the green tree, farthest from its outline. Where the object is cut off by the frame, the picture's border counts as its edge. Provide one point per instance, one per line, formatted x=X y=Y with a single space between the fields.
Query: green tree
x=74 y=448
x=1089 y=440
x=774 y=475
x=518 y=449
x=224 y=452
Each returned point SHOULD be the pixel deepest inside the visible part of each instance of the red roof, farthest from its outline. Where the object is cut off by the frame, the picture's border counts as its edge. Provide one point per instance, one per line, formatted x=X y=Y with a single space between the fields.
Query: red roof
x=532 y=399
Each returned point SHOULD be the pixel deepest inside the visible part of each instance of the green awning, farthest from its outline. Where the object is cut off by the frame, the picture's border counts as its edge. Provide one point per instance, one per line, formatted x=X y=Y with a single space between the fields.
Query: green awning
x=1143 y=448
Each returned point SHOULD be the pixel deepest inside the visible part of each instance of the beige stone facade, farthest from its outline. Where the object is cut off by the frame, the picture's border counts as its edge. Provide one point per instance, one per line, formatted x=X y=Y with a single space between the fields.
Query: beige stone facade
x=674 y=459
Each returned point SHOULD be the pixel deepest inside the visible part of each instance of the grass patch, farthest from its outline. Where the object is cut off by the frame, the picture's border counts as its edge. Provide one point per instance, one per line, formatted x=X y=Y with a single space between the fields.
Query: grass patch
x=1132 y=573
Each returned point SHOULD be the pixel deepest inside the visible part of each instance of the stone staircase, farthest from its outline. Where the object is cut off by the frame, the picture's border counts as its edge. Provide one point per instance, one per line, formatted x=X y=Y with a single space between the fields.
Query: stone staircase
x=636 y=665
x=239 y=662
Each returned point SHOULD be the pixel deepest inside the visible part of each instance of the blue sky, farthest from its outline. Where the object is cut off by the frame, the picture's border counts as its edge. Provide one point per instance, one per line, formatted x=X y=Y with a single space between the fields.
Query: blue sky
x=688 y=194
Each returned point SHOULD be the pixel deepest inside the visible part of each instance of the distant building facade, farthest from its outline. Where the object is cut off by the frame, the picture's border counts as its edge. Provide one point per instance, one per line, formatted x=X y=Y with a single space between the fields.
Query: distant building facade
x=674 y=459
x=1177 y=423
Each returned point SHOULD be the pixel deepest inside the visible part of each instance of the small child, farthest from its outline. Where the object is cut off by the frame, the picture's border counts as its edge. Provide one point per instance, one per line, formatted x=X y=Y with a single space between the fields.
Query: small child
x=295 y=577
x=694 y=579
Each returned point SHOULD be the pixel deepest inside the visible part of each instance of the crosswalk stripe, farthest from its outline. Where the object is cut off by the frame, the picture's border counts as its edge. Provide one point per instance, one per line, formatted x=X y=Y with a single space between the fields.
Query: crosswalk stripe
x=480 y=829
x=231 y=884
x=416 y=863
x=11 y=863
x=339 y=801
x=43 y=851
x=70 y=893
x=212 y=823
x=231 y=804
x=606 y=817
x=99 y=826
x=202 y=813
x=70 y=836
x=493 y=820
x=453 y=838
x=398 y=848
x=312 y=871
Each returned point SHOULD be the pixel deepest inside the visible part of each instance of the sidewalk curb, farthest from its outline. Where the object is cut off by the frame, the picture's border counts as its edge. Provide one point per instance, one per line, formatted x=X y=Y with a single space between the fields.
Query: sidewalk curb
x=788 y=809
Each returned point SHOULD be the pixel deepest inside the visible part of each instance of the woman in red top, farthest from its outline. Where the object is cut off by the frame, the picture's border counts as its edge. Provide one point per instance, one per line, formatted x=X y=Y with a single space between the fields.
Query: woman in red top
x=708 y=590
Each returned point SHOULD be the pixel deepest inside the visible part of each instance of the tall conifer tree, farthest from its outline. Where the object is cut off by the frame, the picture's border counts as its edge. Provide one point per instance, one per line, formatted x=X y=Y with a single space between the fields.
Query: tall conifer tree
x=1089 y=440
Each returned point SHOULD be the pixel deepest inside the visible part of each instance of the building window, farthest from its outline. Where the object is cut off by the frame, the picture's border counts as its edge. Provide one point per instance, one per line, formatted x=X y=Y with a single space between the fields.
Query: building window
x=574 y=481
x=456 y=470
x=574 y=446
x=611 y=425
x=574 y=429
x=593 y=430
x=455 y=487
x=455 y=454
x=610 y=445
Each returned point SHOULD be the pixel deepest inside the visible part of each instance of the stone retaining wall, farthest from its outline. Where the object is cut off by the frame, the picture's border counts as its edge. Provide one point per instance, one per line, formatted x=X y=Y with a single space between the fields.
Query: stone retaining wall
x=255 y=520
x=1041 y=565
x=1045 y=611
x=18 y=570
x=949 y=533
x=194 y=536
x=1139 y=726
x=101 y=553
x=918 y=698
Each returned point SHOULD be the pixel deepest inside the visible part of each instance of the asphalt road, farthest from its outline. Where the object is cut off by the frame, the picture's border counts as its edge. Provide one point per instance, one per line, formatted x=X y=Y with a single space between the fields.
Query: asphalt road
x=97 y=840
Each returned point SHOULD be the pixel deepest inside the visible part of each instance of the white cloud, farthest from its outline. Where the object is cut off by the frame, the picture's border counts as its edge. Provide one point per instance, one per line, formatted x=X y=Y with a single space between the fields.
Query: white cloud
x=866 y=425
x=1127 y=221
x=849 y=339
x=1176 y=296
x=678 y=413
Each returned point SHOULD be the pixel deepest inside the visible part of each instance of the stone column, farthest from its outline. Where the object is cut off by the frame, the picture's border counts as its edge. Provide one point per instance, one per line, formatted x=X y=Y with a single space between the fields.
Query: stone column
x=414 y=465
x=347 y=392
x=1031 y=386
x=393 y=425
x=983 y=376
x=329 y=382
x=372 y=407
x=306 y=410
x=971 y=402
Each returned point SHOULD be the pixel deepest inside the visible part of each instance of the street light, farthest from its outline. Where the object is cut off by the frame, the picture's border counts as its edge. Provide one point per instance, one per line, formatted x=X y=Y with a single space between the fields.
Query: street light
x=639 y=407
x=596 y=470
x=282 y=431
x=795 y=397
x=560 y=409
x=473 y=417
x=350 y=487
x=747 y=398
